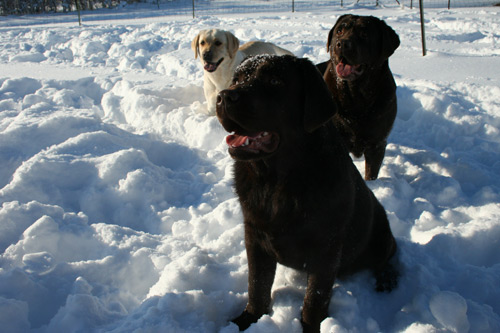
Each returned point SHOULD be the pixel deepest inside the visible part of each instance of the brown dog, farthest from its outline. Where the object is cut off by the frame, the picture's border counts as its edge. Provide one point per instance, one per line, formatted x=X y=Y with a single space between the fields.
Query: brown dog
x=304 y=202
x=362 y=84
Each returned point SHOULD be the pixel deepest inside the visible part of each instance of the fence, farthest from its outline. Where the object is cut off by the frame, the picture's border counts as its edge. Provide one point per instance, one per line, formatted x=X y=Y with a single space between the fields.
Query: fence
x=209 y=7
x=450 y=3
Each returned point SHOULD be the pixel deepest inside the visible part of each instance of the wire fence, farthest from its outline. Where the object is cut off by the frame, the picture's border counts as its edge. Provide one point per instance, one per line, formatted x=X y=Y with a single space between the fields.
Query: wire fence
x=209 y=7
x=450 y=3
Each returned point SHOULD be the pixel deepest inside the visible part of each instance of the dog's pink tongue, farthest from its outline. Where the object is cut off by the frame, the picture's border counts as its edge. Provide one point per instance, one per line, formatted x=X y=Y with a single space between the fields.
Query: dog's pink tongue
x=344 y=70
x=234 y=140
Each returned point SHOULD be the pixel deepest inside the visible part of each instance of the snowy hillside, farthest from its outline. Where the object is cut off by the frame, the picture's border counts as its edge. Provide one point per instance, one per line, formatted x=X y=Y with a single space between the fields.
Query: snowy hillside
x=117 y=212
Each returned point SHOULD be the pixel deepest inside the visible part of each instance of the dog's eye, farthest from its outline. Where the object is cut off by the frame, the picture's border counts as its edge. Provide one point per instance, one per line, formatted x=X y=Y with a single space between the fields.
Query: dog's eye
x=218 y=43
x=340 y=30
x=202 y=43
x=275 y=82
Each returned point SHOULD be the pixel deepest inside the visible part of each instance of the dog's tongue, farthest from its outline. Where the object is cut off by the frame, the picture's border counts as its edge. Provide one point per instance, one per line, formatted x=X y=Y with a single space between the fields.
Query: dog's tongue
x=260 y=142
x=235 y=140
x=344 y=70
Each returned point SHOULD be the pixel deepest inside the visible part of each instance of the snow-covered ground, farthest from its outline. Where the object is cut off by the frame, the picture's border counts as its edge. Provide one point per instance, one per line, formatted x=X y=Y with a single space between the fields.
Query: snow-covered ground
x=116 y=206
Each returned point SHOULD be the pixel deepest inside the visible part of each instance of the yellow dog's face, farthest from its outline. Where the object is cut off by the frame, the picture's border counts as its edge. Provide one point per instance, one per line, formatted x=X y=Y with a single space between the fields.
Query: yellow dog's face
x=214 y=46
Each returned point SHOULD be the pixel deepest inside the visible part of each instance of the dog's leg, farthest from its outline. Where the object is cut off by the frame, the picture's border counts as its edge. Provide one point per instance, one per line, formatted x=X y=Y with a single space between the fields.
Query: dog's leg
x=374 y=156
x=261 y=271
x=211 y=92
x=383 y=252
x=317 y=300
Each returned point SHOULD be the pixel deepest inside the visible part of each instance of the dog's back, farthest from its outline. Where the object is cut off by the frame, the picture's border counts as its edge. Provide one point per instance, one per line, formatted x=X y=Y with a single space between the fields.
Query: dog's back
x=257 y=47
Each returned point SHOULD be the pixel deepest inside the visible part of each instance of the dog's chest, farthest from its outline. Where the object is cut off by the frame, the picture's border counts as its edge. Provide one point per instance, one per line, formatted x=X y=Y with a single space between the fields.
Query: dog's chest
x=268 y=205
x=264 y=200
x=284 y=221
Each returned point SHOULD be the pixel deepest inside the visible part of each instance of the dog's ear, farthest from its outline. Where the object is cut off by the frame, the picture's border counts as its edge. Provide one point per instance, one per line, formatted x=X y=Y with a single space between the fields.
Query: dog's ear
x=233 y=44
x=390 y=40
x=319 y=106
x=195 y=46
x=330 y=35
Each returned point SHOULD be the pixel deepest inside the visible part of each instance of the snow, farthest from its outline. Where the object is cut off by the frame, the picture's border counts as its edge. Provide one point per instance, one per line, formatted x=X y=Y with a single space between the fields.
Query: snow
x=117 y=212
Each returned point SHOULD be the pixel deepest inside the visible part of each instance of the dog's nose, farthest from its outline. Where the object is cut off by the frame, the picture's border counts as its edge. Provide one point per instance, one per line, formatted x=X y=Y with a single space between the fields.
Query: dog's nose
x=344 y=44
x=230 y=96
x=220 y=100
x=207 y=56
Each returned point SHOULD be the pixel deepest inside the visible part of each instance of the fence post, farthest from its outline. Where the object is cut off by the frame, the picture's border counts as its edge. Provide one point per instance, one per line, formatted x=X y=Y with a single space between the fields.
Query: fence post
x=422 y=26
x=78 y=10
x=193 y=8
x=293 y=6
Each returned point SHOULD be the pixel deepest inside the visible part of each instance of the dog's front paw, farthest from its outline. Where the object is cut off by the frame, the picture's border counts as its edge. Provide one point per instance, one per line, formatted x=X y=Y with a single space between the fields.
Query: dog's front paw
x=245 y=320
x=308 y=328
x=210 y=110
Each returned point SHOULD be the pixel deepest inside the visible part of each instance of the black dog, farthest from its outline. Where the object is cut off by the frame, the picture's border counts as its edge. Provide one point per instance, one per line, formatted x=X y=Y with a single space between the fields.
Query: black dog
x=362 y=84
x=304 y=202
